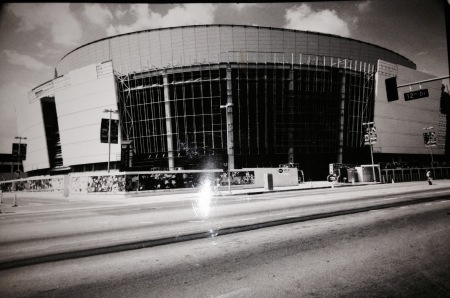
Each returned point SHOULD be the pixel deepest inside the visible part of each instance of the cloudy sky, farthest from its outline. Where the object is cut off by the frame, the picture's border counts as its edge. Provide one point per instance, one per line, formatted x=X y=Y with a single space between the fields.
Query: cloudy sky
x=34 y=37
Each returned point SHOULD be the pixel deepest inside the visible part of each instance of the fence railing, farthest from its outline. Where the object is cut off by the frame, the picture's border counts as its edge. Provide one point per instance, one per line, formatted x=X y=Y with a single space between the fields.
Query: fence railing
x=413 y=174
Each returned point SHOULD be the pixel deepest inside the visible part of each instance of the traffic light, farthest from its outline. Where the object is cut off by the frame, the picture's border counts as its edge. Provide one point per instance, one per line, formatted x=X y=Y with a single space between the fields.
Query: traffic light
x=23 y=151
x=19 y=153
x=114 y=131
x=104 y=131
x=391 y=89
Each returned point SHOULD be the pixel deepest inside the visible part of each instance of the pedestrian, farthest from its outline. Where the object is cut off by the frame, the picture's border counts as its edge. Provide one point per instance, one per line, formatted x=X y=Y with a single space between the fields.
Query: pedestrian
x=429 y=177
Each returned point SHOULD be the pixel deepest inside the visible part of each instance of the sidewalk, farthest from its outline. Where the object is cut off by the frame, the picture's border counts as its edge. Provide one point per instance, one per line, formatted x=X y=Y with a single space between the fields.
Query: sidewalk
x=30 y=203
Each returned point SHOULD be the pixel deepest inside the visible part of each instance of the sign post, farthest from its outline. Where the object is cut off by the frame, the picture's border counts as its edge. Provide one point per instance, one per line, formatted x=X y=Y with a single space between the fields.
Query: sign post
x=429 y=139
x=371 y=138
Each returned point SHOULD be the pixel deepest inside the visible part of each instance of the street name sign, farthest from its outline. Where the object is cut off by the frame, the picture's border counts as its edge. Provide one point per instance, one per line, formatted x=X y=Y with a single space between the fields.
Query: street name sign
x=416 y=94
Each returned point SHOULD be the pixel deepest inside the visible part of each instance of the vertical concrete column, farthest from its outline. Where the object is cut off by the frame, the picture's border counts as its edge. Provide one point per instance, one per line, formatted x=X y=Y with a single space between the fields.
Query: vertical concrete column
x=168 y=122
x=229 y=111
x=342 y=120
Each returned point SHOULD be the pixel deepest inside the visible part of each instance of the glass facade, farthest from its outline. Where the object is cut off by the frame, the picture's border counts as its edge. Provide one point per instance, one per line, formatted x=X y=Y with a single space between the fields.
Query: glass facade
x=311 y=113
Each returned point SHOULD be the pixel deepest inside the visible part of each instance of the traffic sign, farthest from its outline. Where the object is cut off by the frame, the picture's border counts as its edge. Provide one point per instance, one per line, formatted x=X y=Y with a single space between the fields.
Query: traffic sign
x=416 y=94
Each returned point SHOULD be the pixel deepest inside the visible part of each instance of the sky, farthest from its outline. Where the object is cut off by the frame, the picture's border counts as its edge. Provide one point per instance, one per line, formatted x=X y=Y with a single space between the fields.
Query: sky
x=35 y=36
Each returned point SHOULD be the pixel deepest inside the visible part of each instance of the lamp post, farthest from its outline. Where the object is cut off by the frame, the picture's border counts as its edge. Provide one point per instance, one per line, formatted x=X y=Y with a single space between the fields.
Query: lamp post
x=229 y=141
x=429 y=145
x=370 y=132
x=18 y=155
x=109 y=133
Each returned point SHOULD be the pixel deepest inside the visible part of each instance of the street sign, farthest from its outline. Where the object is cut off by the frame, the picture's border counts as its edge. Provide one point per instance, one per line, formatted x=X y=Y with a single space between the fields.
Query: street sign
x=371 y=136
x=416 y=94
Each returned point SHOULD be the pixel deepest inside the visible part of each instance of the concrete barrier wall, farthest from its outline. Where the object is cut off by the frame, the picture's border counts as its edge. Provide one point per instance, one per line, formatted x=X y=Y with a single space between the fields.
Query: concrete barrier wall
x=39 y=184
x=131 y=182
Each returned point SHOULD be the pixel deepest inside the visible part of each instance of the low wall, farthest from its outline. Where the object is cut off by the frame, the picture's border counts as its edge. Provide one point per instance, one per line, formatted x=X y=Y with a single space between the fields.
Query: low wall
x=132 y=182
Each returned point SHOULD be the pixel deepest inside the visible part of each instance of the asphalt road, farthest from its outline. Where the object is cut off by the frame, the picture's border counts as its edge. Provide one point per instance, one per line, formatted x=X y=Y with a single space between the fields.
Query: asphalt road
x=393 y=252
x=41 y=234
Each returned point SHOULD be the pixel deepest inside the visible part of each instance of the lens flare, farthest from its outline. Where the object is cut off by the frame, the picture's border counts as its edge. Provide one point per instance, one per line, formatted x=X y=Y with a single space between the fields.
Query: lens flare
x=203 y=203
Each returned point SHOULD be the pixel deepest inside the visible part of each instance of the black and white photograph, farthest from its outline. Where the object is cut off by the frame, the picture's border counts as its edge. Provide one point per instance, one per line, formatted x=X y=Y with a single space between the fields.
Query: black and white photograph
x=225 y=149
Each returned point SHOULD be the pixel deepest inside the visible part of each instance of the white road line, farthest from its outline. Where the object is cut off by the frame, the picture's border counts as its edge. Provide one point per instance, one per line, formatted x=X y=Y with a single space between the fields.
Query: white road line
x=146 y=222
x=252 y=218
x=195 y=221
x=388 y=199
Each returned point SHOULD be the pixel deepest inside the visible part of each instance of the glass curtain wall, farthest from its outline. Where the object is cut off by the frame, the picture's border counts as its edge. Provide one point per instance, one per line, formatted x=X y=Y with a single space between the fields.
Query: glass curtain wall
x=303 y=113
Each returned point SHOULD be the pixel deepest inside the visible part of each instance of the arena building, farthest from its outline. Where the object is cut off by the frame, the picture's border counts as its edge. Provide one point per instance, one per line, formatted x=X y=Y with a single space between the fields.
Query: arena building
x=189 y=96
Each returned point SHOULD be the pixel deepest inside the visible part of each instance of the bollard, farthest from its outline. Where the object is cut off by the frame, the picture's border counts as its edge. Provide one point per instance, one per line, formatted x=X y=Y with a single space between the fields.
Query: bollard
x=268 y=181
x=393 y=180
x=15 y=200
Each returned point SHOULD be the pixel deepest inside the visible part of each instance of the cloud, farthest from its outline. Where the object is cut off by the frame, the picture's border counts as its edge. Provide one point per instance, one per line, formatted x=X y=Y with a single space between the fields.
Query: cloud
x=325 y=21
x=241 y=6
x=9 y=94
x=57 y=18
x=180 y=15
x=364 y=6
x=97 y=14
x=24 y=60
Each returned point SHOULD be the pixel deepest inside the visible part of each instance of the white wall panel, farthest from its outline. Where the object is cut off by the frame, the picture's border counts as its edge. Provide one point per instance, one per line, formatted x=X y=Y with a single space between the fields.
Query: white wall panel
x=80 y=110
x=400 y=123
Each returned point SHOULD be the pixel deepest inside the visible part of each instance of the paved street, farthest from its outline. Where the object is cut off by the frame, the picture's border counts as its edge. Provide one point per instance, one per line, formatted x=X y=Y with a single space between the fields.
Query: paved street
x=67 y=227
x=395 y=252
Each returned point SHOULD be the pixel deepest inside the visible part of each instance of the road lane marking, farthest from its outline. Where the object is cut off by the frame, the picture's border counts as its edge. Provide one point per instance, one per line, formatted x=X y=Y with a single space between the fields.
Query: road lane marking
x=146 y=222
x=251 y=218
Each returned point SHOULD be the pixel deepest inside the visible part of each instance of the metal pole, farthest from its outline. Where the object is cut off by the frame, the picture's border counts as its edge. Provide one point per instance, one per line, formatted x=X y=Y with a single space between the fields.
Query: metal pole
x=373 y=166
x=431 y=152
x=371 y=147
x=18 y=155
x=109 y=139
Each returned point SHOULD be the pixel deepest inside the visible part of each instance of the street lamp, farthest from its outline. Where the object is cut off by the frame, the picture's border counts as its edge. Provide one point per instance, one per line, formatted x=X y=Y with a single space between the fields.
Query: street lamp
x=229 y=141
x=109 y=133
x=18 y=155
x=430 y=145
x=370 y=135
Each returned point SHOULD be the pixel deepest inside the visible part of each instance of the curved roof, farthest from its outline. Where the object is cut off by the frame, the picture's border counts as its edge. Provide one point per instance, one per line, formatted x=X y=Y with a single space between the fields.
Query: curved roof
x=219 y=39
